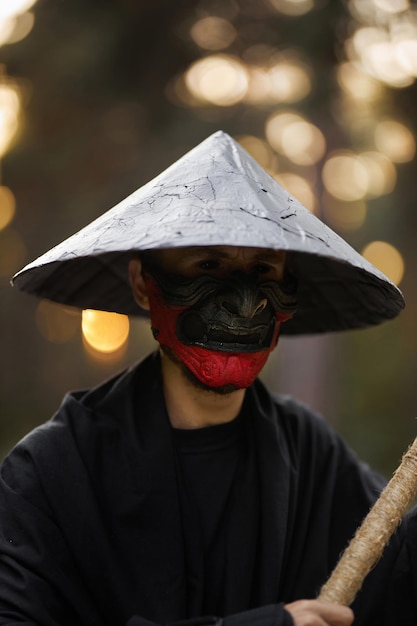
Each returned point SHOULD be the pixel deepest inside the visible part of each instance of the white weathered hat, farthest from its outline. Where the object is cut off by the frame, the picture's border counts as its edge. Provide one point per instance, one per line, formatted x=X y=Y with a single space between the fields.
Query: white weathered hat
x=216 y=194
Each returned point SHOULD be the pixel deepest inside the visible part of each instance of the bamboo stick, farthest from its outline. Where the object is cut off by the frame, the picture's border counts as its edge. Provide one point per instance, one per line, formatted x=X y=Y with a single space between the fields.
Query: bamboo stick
x=369 y=541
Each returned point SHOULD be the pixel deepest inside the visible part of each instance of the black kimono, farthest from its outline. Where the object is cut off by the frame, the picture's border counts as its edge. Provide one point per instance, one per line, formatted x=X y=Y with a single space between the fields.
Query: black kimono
x=98 y=525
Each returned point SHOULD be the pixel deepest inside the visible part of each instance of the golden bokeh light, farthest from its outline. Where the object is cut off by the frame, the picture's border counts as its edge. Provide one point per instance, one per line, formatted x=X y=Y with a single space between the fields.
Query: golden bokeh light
x=9 y=115
x=10 y=8
x=56 y=322
x=373 y=49
x=276 y=76
x=12 y=253
x=381 y=172
x=276 y=124
x=356 y=84
x=259 y=86
x=303 y=143
x=289 y=81
x=292 y=7
x=345 y=177
x=221 y=80
x=367 y=36
x=386 y=258
x=7 y=206
x=299 y=187
x=7 y=27
x=395 y=140
x=258 y=149
x=16 y=28
x=406 y=51
x=391 y=6
x=343 y=216
x=296 y=138
x=213 y=33
x=104 y=331
x=383 y=63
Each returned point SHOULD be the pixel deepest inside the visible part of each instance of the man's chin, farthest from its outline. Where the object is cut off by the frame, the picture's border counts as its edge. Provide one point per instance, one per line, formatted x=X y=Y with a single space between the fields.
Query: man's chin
x=221 y=390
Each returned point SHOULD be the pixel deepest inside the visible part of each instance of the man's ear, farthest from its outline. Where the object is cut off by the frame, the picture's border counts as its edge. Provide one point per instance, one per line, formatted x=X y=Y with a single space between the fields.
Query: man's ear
x=138 y=284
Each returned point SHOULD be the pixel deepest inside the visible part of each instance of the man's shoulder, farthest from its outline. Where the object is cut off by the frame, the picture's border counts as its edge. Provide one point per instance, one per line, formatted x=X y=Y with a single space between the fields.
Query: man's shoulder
x=83 y=415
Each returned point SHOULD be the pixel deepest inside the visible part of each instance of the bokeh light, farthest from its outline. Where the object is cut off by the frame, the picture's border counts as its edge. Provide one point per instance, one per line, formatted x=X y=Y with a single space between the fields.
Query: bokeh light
x=381 y=61
x=381 y=173
x=386 y=258
x=395 y=140
x=213 y=33
x=357 y=84
x=391 y=6
x=296 y=138
x=10 y=8
x=259 y=86
x=16 y=28
x=258 y=149
x=57 y=323
x=104 y=331
x=289 y=81
x=384 y=41
x=276 y=75
x=345 y=177
x=292 y=7
x=343 y=216
x=7 y=27
x=221 y=80
x=299 y=187
x=9 y=115
x=405 y=38
x=7 y=206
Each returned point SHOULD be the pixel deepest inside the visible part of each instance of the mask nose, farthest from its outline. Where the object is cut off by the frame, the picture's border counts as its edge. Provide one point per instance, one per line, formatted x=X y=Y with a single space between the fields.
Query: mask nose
x=242 y=300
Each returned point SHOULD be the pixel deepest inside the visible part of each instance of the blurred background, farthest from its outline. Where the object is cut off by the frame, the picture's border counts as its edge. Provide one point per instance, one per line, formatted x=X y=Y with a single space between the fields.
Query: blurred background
x=98 y=97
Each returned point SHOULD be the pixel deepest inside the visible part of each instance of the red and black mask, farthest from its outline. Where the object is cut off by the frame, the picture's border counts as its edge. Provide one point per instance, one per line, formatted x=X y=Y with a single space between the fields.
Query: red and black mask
x=222 y=329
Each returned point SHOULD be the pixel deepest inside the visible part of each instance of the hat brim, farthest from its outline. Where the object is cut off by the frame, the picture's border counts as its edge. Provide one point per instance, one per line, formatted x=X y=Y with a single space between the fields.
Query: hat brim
x=216 y=194
x=332 y=295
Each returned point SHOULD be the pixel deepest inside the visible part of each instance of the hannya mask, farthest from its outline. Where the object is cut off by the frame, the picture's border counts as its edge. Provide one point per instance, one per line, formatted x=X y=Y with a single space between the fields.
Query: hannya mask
x=223 y=330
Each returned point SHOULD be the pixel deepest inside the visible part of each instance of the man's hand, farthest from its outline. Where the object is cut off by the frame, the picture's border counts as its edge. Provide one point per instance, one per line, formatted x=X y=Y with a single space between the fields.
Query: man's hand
x=316 y=613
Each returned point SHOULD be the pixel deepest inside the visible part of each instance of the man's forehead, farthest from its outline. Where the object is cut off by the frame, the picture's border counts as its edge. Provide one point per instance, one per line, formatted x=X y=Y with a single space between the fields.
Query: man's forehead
x=226 y=252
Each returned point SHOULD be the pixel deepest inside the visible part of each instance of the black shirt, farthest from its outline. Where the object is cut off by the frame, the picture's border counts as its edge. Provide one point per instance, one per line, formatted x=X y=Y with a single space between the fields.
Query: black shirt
x=210 y=464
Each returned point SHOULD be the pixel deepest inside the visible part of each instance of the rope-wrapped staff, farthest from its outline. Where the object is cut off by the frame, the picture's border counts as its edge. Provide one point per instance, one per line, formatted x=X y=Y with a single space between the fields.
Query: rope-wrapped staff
x=369 y=541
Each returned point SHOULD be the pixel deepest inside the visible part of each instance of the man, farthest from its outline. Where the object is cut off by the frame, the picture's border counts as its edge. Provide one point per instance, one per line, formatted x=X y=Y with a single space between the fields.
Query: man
x=181 y=489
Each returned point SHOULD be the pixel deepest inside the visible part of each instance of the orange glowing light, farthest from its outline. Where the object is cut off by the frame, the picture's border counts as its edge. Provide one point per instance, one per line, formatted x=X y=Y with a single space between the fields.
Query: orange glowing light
x=104 y=331
x=7 y=206
x=386 y=258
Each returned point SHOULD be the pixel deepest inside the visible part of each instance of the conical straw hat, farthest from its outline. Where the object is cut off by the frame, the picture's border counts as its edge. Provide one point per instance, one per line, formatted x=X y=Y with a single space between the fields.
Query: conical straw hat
x=216 y=194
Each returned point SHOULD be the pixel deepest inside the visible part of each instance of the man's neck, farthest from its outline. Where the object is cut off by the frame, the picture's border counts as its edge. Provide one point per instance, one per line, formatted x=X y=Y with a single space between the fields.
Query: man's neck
x=191 y=407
